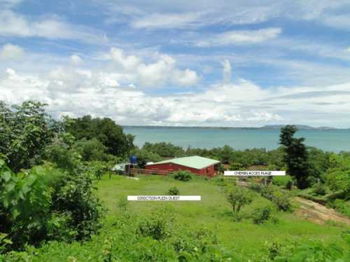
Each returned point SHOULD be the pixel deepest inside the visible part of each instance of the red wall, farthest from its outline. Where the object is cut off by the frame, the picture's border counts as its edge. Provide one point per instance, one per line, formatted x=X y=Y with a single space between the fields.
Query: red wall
x=170 y=167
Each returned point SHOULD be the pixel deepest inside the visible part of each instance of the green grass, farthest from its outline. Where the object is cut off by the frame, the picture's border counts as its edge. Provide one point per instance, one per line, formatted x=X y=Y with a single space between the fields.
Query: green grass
x=214 y=213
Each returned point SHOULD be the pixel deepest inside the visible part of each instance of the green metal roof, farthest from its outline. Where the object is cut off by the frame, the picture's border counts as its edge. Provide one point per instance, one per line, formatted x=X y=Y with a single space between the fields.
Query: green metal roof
x=196 y=162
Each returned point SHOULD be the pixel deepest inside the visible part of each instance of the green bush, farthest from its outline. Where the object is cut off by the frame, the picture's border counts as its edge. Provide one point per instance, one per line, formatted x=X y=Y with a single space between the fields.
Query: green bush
x=342 y=206
x=280 y=198
x=157 y=226
x=123 y=203
x=313 y=252
x=239 y=197
x=283 y=181
x=319 y=189
x=261 y=215
x=182 y=175
x=47 y=204
x=173 y=191
x=120 y=242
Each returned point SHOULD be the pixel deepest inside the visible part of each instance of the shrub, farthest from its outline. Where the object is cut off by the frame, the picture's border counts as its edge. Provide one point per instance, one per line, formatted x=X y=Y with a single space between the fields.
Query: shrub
x=283 y=181
x=275 y=195
x=319 y=189
x=281 y=200
x=238 y=198
x=173 y=191
x=157 y=226
x=47 y=204
x=316 y=251
x=123 y=204
x=342 y=206
x=261 y=215
x=182 y=175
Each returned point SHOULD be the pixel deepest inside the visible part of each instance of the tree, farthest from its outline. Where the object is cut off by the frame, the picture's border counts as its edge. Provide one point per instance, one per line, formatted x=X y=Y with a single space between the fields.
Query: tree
x=25 y=130
x=164 y=149
x=238 y=198
x=91 y=150
x=144 y=156
x=295 y=156
x=104 y=130
x=46 y=203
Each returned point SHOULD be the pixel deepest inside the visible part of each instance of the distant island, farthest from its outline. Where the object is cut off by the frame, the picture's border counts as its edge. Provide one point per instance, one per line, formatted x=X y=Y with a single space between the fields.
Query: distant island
x=300 y=127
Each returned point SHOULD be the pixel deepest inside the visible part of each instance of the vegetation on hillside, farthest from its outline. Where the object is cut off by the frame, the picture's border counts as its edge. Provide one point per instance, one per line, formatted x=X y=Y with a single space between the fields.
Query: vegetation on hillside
x=50 y=209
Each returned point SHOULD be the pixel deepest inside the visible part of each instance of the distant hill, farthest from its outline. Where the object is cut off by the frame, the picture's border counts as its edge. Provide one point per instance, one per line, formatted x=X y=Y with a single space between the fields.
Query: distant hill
x=300 y=127
x=304 y=127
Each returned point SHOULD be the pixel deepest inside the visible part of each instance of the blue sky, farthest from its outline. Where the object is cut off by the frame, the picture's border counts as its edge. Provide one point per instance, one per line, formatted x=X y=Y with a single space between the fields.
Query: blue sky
x=200 y=62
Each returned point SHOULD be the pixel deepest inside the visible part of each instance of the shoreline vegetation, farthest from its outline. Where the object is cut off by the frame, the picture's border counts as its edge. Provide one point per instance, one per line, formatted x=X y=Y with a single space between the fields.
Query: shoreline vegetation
x=60 y=201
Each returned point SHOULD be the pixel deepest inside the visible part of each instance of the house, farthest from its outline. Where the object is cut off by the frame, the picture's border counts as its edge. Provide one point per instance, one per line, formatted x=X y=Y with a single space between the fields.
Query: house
x=195 y=164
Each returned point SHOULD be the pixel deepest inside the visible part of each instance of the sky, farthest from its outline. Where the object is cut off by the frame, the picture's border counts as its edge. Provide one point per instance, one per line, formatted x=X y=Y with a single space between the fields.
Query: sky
x=180 y=63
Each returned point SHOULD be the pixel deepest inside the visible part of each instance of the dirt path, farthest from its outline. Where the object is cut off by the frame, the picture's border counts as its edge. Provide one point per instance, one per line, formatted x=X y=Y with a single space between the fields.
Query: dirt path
x=313 y=211
x=318 y=213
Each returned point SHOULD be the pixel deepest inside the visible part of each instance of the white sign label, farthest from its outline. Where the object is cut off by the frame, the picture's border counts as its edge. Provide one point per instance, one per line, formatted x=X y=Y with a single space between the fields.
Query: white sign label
x=254 y=173
x=164 y=198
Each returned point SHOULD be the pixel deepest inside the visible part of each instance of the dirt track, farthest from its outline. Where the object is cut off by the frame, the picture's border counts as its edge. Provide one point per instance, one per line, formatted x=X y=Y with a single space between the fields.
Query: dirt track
x=314 y=211
x=318 y=213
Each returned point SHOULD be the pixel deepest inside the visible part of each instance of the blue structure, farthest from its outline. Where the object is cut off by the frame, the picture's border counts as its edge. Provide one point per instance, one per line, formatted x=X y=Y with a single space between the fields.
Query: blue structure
x=133 y=160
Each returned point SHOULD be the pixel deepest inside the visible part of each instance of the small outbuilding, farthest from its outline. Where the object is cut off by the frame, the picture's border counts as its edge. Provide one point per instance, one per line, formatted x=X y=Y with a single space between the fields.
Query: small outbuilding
x=195 y=164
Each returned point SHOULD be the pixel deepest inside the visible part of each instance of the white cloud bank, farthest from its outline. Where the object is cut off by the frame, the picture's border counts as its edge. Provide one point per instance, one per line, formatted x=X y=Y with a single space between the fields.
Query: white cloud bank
x=240 y=37
x=13 y=24
x=9 y=51
x=153 y=74
x=77 y=91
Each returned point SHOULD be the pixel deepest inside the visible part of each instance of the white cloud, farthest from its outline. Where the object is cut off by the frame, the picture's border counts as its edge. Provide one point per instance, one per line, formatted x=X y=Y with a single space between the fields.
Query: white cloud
x=9 y=51
x=240 y=37
x=76 y=60
x=15 y=24
x=180 y=14
x=242 y=103
x=166 y=21
x=185 y=78
x=153 y=74
x=226 y=72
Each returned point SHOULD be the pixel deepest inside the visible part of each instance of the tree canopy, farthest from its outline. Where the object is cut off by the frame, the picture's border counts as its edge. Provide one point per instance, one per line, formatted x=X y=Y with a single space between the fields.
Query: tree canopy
x=105 y=130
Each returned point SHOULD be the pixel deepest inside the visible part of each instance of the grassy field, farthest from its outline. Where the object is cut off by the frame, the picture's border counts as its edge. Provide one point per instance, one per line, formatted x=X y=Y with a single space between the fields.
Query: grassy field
x=214 y=213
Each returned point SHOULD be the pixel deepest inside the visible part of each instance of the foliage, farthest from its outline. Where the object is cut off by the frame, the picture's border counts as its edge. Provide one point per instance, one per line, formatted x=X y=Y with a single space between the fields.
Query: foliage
x=311 y=252
x=25 y=130
x=182 y=175
x=144 y=156
x=122 y=243
x=296 y=156
x=261 y=215
x=123 y=204
x=46 y=204
x=239 y=197
x=319 y=189
x=164 y=149
x=342 y=206
x=105 y=130
x=61 y=153
x=157 y=226
x=275 y=195
x=283 y=181
x=173 y=191
x=339 y=180
x=92 y=150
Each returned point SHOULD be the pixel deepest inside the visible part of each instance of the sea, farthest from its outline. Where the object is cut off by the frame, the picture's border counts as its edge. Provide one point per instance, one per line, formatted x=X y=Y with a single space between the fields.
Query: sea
x=334 y=140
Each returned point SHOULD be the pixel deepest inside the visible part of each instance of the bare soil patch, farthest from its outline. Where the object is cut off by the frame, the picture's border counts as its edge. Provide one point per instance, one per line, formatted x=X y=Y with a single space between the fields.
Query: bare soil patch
x=318 y=213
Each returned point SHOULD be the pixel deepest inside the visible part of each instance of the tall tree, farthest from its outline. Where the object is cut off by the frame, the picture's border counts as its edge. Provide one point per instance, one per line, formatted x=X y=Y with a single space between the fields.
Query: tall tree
x=25 y=130
x=296 y=156
x=104 y=130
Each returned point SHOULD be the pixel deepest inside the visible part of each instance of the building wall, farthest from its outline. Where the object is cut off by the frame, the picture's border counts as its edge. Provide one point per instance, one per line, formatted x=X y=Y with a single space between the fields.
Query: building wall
x=170 y=167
